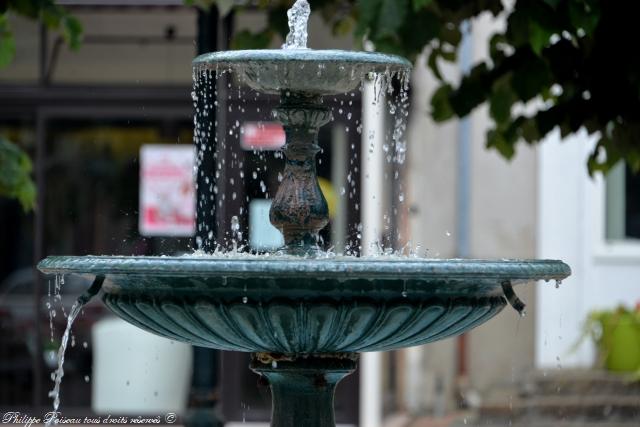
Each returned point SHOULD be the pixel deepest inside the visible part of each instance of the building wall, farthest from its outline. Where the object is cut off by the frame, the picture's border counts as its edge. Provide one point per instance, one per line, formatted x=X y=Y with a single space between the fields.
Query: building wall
x=571 y=228
x=128 y=46
x=431 y=184
x=502 y=222
x=120 y=47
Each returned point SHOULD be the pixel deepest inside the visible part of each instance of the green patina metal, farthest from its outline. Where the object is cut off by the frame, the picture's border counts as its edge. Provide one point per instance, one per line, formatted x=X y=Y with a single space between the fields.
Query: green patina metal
x=303 y=388
x=304 y=317
x=314 y=72
x=290 y=306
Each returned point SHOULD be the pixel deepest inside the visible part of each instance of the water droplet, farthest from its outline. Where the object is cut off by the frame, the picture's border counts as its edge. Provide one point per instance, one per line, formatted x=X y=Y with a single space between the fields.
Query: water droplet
x=86 y=378
x=245 y=300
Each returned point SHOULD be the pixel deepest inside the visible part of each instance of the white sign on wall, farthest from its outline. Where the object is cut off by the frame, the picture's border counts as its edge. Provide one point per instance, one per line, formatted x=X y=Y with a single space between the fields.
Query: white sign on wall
x=167 y=190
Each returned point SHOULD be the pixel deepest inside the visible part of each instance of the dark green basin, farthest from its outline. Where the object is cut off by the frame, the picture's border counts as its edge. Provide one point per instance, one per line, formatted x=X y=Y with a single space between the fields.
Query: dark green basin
x=320 y=72
x=291 y=305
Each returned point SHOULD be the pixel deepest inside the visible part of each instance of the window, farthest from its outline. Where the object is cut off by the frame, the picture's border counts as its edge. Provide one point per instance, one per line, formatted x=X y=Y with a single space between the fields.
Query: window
x=622 y=204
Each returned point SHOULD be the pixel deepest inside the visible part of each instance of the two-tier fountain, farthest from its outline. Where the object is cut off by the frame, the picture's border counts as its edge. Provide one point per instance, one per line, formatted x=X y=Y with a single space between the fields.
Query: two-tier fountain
x=304 y=318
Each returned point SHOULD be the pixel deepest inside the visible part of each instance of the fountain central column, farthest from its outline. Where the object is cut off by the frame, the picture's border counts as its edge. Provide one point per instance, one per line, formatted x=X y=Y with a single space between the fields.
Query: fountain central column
x=303 y=387
x=299 y=209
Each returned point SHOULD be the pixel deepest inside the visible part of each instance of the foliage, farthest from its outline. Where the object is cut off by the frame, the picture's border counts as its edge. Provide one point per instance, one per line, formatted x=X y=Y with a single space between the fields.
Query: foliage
x=556 y=64
x=15 y=175
x=15 y=166
x=54 y=16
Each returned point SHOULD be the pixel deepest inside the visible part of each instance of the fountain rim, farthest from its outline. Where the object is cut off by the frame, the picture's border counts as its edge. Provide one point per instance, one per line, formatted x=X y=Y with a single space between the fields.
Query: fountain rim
x=378 y=62
x=514 y=270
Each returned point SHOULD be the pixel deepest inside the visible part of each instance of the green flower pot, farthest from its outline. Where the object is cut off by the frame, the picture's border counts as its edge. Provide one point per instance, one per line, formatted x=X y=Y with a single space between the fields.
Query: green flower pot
x=620 y=342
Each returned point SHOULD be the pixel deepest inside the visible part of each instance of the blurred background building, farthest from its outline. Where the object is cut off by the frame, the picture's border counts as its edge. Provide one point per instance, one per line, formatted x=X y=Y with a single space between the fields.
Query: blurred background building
x=85 y=116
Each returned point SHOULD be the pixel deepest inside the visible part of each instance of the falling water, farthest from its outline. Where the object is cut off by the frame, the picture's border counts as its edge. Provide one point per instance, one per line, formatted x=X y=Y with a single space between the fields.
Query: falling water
x=220 y=91
x=59 y=372
x=298 y=17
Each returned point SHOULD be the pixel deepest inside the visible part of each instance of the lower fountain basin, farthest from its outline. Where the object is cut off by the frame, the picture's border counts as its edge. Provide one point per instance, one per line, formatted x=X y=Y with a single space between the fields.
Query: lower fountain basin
x=290 y=305
x=314 y=72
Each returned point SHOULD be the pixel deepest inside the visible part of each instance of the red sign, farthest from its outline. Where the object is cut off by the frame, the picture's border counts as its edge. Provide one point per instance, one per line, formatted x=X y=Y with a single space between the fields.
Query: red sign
x=262 y=136
x=167 y=190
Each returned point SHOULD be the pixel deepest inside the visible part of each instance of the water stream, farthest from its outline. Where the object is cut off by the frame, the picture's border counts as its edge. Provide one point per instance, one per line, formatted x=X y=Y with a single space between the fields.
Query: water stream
x=298 y=18
x=59 y=372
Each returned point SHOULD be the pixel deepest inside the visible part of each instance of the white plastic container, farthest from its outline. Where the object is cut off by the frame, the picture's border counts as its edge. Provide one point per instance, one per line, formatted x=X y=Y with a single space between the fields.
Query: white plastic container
x=136 y=372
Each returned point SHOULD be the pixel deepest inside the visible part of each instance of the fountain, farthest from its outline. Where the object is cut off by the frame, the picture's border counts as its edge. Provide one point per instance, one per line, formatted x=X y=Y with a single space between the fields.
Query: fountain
x=304 y=317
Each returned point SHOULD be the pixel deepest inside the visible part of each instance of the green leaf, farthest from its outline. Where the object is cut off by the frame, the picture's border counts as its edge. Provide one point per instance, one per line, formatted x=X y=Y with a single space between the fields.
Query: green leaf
x=7 y=43
x=440 y=105
x=72 y=32
x=529 y=130
x=602 y=159
x=247 y=40
x=451 y=34
x=531 y=78
x=584 y=14
x=450 y=56
x=15 y=175
x=474 y=90
x=392 y=14
x=497 y=140
x=501 y=99
x=432 y=62
x=413 y=42
x=368 y=11
x=518 y=28
x=538 y=37
x=419 y=4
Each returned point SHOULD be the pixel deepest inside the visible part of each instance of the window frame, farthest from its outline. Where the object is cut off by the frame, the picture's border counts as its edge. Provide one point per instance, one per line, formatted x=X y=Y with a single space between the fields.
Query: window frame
x=606 y=250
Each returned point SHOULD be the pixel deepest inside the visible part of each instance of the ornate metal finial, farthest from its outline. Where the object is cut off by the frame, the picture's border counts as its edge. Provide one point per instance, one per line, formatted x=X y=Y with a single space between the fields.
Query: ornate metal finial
x=299 y=209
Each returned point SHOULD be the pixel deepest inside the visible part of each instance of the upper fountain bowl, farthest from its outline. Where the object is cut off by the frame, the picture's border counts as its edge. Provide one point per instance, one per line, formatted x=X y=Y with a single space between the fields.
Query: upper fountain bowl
x=308 y=71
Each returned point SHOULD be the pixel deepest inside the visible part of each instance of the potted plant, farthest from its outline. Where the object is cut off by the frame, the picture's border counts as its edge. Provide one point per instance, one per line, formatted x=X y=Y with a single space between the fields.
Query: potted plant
x=617 y=336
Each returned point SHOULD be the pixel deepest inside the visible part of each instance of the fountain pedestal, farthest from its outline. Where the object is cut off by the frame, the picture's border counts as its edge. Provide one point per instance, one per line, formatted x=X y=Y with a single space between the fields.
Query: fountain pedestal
x=299 y=209
x=303 y=387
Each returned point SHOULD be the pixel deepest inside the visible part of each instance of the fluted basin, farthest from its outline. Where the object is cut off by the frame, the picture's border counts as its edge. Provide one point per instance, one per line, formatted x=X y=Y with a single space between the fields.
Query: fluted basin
x=289 y=305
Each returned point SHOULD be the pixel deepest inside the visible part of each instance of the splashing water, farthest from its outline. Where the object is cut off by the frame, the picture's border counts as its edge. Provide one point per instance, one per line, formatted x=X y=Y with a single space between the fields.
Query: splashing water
x=298 y=17
x=236 y=234
x=59 y=372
